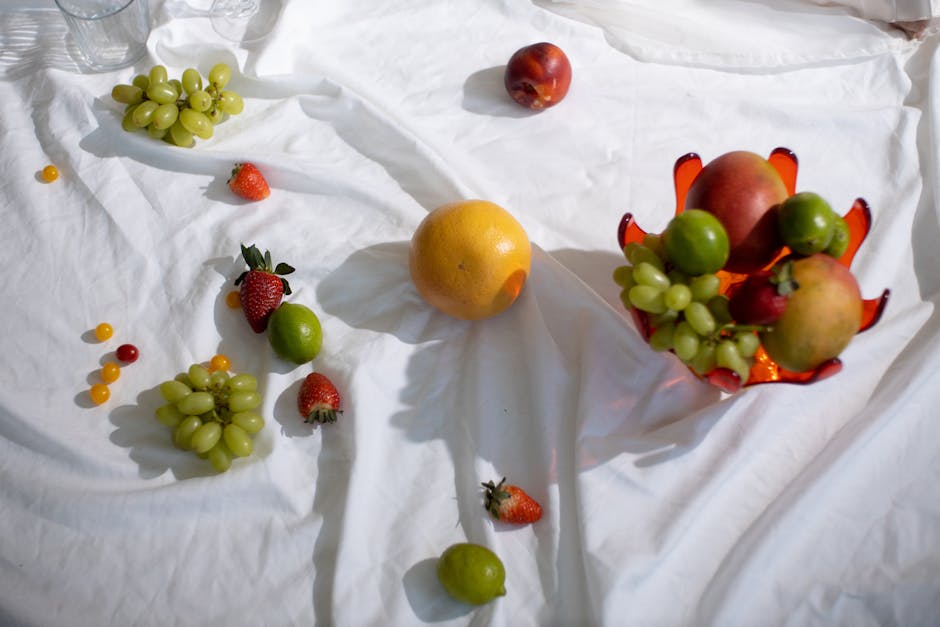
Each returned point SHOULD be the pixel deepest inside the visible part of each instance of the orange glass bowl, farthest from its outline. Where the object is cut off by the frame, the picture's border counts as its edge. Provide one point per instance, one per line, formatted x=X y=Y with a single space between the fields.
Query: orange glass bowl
x=764 y=369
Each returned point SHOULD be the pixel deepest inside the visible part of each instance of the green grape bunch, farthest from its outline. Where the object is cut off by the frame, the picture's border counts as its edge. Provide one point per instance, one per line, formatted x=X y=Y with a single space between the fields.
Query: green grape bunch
x=688 y=315
x=178 y=110
x=212 y=414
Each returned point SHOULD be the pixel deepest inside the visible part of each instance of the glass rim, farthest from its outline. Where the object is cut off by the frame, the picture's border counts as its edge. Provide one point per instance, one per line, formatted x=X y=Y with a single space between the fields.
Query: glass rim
x=116 y=10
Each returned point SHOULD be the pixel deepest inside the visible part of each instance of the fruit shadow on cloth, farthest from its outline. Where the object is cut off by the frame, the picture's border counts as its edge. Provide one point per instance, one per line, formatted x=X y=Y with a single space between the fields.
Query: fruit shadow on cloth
x=562 y=372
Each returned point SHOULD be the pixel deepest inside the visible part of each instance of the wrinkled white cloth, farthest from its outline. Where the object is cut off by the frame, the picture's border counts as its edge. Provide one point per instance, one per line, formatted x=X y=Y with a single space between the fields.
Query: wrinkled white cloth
x=666 y=502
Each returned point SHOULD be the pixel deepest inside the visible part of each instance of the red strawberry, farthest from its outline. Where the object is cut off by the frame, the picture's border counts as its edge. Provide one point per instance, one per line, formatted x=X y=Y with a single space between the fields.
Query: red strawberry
x=248 y=182
x=318 y=400
x=509 y=503
x=762 y=297
x=261 y=287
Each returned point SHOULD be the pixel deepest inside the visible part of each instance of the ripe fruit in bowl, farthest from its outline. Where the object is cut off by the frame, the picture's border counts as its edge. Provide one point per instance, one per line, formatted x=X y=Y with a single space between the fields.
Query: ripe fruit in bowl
x=470 y=259
x=295 y=333
x=538 y=76
x=696 y=242
x=762 y=297
x=807 y=223
x=743 y=190
x=821 y=317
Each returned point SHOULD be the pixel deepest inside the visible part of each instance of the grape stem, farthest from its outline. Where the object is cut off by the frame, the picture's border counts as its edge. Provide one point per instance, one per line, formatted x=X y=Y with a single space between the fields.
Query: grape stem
x=731 y=328
x=736 y=328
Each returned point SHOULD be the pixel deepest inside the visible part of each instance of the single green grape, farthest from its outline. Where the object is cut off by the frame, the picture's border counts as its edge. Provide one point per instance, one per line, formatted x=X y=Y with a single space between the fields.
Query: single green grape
x=191 y=80
x=142 y=81
x=127 y=123
x=704 y=360
x=237 y=440
x=666 y=317
x=677 y=297
x=648 y=299
x=162 y=93
x=183 y=378
x=180 y=136
x=169 y=415
x=200 y=100
x=218 y=379
x=623 y=276
x=196 y=403
x=127 y=94
x=747 y=342
x=200 y=376
x=174 y=391
x=230 y=102
x=164 y=116
x=143 y=114
x=700 y=318
x=243 y=382
x=646 y=273
x=206 y=437
x=219 y=75
x=654 y=241
x=251 y=422
x=704 y=286
x=640 y=253
x=726 y=353
x=158 y=74
x=156 y=133
x=220 y=457
x=215 y=115
x=662 y=337
x=196 y=123
x=183 y=433
x=243 y=401
x=685 y=341
x=719 y=305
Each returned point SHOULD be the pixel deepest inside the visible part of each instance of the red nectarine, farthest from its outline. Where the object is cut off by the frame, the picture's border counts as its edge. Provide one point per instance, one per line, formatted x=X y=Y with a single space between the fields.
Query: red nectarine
x=743 y=190
x=537 y=76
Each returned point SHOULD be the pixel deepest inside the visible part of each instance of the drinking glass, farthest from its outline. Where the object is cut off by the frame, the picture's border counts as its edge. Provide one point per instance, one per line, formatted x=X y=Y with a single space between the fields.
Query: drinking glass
x=110 y=33
x=244 y=21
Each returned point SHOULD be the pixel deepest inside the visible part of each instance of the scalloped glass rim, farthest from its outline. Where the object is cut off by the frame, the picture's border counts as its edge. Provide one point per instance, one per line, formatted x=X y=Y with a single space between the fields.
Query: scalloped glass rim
x=764 y=369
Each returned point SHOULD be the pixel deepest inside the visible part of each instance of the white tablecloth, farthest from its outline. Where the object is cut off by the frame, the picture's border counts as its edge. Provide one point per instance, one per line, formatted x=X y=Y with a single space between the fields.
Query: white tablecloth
x=666 y=502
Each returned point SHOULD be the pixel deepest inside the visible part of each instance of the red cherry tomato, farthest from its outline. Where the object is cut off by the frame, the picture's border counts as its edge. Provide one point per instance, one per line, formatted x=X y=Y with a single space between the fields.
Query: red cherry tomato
x=127 y=353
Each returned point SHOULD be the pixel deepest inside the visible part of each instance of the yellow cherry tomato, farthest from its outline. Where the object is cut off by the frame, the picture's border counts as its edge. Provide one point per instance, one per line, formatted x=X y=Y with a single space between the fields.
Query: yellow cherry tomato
x=233 y=299
x=104 y=331
x=219 y=362
x=110 y=372
x=50 y=173
x=99 y=393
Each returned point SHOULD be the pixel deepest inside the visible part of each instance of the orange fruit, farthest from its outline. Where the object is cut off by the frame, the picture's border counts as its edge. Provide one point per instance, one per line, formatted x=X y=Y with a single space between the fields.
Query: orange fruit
x=470 y=259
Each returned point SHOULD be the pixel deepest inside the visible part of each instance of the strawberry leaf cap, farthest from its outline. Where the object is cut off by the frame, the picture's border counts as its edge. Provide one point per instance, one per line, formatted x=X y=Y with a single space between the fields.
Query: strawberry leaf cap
x=781 y=277
x=321 y=413
x=258 y=262
x=495 y=495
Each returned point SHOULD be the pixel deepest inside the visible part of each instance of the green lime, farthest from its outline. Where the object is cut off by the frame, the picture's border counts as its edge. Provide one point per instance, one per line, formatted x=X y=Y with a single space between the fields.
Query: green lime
x=696 y=242
x=840 y=237
x=806 y=221
x=294 y=333
x=471 y=573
